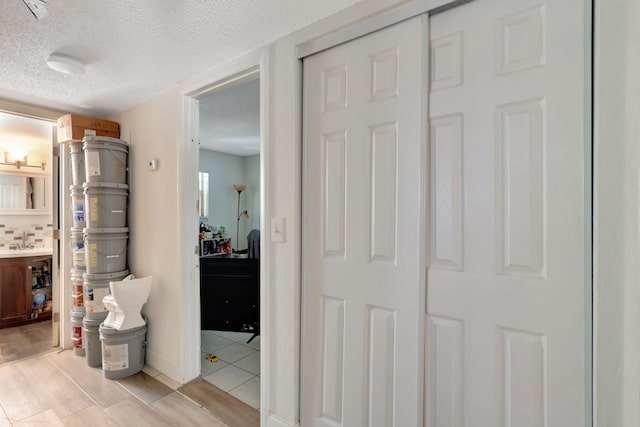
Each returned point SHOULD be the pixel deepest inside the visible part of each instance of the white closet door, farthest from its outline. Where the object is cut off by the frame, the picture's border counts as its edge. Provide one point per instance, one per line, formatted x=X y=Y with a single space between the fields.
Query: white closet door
x=363 y=286
x=506 y=282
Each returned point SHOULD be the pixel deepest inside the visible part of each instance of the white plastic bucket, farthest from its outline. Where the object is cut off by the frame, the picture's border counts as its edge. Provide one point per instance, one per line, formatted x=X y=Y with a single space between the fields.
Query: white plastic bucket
x=77 y=163
x=122 y=351
x=105 y=249
x=91 y=335
x=76 y=331
x=76 y=280
x=95 y=288
x=77 y=289
x=77 y=206
x=76 y=245
x=106 y=204
x=105 y=159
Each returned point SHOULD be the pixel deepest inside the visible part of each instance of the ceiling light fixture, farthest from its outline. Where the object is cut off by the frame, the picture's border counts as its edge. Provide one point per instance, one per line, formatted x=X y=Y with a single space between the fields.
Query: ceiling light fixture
x=65 y=64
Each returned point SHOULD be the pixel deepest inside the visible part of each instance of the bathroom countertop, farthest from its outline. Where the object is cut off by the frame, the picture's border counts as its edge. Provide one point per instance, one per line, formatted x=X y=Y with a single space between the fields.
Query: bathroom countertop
x=18 y=253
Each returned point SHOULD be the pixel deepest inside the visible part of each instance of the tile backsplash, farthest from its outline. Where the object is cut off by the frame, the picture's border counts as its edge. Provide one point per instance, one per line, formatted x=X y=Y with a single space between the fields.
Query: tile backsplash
x=38 y=234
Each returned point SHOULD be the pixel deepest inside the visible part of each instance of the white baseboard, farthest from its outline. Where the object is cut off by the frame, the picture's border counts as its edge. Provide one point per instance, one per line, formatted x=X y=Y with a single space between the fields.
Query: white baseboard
x=275 y=421
x=164 y=365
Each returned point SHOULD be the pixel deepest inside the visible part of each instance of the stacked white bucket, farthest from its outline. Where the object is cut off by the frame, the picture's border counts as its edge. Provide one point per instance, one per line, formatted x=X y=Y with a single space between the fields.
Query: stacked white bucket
x=102 y=167
x=77 y=247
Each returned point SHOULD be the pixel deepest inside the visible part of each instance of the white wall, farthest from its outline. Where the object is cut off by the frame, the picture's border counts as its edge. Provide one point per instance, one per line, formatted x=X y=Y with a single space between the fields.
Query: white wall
x=252 y=199
x=224 y=171
x=151 y=129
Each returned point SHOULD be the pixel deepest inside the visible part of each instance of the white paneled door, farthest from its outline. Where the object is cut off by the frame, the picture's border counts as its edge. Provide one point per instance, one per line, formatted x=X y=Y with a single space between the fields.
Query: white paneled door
x=506 y=251
x=506 y=284
x=363 y=290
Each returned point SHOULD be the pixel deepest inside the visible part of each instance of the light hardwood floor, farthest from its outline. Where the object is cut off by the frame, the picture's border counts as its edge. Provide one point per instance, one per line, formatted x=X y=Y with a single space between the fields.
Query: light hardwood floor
x=59 y=389
x=24 y=341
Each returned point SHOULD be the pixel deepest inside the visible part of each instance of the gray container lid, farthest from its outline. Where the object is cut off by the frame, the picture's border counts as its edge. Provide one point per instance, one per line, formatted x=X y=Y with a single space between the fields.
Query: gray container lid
x=109 y=332
x=105 y=230
x=105 y=276
x=105 y=185
x=77 y=316
x=108 y=139
x=93 y=323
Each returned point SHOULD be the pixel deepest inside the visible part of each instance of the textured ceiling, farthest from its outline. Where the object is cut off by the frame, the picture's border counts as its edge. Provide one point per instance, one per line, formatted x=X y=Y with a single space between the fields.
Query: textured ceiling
x=230 y=120
x=135 y=49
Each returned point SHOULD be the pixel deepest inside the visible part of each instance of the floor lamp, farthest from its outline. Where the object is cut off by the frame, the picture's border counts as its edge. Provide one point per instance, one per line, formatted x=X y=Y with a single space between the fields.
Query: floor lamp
x=244 y=214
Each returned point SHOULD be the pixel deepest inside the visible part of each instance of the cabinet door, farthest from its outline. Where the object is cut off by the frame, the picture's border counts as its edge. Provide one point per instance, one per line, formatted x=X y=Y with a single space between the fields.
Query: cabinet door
x=15 y=297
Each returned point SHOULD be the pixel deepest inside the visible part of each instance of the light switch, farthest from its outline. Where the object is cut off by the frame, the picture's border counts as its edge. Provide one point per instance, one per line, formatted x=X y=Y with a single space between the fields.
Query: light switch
x=277 y=229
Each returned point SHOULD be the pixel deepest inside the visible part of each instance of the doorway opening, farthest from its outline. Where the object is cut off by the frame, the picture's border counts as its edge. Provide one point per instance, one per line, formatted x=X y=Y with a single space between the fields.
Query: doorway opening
x=28 y=273
x=229 y=189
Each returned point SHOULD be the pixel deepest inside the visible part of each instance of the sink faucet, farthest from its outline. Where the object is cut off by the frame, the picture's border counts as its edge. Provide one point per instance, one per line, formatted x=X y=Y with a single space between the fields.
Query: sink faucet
x=24 y=244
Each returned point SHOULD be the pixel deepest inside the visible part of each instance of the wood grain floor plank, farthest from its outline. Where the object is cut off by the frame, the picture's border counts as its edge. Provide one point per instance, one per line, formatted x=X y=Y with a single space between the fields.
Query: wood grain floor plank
x=182 y=412
x=59 y=389
x=104 y=392
x=17 y=399
x=46 y=418
x=222 y=405
x=91 y=416
x=131 y=412
x=25 y=341
x=4 y=421
x=61 y=394
x=144 y=387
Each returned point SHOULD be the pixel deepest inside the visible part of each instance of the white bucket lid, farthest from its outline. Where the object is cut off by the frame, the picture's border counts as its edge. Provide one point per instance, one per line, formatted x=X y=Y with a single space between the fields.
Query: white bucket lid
x=76 y=274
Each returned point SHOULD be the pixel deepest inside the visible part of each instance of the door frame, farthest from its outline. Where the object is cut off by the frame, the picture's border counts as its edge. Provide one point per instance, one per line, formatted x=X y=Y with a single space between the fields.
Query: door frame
x=399 y=13
x=58 y=321
x=253 y=66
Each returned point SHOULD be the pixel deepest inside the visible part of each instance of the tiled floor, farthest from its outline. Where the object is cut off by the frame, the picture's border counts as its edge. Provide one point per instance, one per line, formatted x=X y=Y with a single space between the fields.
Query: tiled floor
x=238 y=369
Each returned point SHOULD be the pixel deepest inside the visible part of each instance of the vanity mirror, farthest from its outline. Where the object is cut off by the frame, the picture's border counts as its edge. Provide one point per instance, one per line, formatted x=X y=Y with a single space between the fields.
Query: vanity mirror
x=22 y=193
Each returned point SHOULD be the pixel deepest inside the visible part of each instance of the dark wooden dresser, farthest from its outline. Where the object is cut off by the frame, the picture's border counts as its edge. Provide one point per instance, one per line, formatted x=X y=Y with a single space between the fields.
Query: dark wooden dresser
x=230 y=294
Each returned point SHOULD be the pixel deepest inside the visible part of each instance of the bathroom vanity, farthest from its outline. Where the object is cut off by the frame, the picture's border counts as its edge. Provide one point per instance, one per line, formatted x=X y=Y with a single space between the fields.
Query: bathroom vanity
x=22 y=276
x=230 y=293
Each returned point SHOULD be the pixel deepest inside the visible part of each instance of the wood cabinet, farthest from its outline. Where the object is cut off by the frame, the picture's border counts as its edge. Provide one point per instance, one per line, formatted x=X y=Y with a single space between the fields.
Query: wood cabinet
x=16 y=282
x=230 y=294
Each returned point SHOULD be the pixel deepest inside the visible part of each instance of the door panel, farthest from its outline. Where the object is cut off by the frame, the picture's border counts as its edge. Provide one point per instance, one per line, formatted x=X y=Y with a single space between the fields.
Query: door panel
x=363 y=286
x=506 y=283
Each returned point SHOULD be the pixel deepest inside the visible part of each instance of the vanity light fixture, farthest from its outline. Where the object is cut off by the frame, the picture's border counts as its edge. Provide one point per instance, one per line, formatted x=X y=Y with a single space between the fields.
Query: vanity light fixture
x=19 y=161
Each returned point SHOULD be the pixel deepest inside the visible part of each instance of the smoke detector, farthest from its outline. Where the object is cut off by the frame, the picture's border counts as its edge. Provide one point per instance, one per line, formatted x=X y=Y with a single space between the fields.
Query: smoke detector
x=37 y=8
